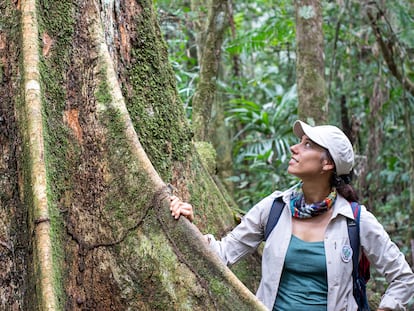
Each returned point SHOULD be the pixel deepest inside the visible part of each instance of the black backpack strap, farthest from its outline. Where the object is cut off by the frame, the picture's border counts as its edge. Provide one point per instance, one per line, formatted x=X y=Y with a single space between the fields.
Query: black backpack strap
x=360 y=277
x=353 y=233
x=274 y=215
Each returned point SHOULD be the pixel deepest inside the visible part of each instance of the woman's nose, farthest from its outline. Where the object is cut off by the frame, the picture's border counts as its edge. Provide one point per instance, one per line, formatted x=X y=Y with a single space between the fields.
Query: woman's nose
x=294 y=148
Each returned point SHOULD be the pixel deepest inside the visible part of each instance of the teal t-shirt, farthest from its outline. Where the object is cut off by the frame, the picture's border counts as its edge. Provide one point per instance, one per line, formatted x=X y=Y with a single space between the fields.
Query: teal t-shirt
x=304 y=285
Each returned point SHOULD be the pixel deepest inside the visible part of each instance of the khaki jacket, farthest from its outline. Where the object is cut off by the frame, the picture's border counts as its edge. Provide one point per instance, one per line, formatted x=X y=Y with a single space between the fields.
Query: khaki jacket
x=383 y=254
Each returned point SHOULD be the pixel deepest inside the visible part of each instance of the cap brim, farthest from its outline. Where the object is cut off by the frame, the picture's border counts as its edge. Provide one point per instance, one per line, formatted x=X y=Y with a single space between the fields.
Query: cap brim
x=300 y=128
x=297 y=129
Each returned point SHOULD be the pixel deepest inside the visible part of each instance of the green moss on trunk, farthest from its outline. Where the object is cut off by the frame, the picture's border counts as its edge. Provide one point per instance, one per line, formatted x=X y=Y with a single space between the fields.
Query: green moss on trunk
x=56 y=21
x=152 y=99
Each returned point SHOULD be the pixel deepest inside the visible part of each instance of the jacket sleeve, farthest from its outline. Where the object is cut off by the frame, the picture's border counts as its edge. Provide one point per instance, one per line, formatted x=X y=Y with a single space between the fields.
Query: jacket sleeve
x=244 y=238
x=388 y=260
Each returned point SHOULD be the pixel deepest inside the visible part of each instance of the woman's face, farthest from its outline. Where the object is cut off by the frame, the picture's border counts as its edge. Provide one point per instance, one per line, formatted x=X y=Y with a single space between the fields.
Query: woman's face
x=309 y=160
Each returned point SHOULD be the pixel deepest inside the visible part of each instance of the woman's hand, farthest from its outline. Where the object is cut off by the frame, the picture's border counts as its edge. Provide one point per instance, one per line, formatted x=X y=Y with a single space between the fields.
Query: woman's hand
x=178 y=207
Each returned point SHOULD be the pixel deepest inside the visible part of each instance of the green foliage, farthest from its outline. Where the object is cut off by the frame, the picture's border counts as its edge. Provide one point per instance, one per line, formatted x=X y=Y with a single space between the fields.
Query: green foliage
x=261 y=145
x=374 y=97
x=274 y=30
x=181 y=48
x=359 y=74
x=256 y=89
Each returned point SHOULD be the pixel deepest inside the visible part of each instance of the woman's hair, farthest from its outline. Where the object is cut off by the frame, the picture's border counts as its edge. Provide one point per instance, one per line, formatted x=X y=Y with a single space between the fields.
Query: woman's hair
x=343 y=187
x=342 y=183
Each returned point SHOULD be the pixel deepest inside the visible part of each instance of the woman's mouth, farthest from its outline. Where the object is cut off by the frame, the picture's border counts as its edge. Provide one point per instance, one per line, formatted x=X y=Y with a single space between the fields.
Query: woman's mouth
x=293 y=160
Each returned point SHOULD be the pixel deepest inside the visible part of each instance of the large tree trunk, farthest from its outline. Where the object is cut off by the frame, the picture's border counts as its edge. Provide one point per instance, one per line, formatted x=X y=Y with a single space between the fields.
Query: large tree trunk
x=92 y=129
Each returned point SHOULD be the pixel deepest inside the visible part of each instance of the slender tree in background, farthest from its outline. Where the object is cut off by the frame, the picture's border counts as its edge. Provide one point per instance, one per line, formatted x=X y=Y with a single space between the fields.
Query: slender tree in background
x=211 y=26
x=310 y=64
x=210 y=22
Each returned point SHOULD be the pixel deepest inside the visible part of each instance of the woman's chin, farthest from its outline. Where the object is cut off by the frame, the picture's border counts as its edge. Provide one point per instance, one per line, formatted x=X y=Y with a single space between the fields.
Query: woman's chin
x=291 y=171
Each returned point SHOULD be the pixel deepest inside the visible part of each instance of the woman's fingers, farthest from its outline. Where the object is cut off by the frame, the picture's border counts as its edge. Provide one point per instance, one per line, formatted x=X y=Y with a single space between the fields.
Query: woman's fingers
x=186 y=209
x=174 y=206
x=177 y=208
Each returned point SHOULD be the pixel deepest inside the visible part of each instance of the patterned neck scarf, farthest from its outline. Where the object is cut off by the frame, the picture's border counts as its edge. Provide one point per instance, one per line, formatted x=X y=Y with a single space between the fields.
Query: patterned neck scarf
x=302 y=210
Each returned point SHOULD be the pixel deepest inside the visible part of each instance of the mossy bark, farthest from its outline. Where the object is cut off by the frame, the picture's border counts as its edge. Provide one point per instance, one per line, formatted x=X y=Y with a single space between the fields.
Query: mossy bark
x=13 y=218
x=102 y=134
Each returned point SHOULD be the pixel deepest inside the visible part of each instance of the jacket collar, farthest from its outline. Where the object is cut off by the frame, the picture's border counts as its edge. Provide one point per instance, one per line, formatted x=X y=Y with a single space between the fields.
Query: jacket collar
x=342 y=207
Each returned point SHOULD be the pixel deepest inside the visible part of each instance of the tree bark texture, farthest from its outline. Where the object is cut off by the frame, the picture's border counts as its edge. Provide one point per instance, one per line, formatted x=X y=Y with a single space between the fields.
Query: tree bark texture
x=14 y=243
x=92 y=130
x=312 y=106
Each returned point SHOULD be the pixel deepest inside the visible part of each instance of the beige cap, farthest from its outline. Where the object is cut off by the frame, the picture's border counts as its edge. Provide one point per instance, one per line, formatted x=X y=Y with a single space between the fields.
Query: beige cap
x=332 y=138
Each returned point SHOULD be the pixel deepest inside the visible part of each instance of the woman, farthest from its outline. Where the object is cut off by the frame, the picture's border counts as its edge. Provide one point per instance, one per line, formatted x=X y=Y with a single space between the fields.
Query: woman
x=306 y=263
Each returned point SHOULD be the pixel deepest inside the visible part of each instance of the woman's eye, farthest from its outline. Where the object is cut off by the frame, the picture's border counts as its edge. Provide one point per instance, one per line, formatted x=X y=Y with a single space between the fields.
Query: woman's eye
x=308 y=144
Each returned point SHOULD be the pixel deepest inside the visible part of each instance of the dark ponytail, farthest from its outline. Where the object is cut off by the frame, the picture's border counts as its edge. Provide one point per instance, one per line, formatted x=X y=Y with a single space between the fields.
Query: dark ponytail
x=343 y=187
x=342 y=183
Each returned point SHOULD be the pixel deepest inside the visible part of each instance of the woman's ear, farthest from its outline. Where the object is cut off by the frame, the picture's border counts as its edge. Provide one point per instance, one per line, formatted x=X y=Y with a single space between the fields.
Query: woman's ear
x=328 y=165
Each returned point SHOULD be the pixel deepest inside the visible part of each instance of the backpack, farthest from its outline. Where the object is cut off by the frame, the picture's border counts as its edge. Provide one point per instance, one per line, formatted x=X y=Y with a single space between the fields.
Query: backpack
x=361 y=268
